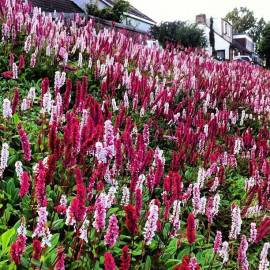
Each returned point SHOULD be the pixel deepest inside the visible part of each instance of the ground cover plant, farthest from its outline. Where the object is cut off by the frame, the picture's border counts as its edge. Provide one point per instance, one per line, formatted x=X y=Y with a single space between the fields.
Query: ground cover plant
x=118 y=156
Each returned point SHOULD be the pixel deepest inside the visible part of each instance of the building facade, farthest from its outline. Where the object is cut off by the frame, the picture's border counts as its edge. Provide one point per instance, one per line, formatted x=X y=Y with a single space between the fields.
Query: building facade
x=133 y=18
x=227 y=45
x=243 y=44
x=223 y=35
x=134 y=21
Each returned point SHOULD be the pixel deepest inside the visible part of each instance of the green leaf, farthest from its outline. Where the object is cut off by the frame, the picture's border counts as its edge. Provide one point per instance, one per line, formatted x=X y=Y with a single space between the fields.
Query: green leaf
x=113 y=210
x=5 y=240
x=58 y=224
x=3 y=264
x=55 y=240
x=97 y=266
x=183 y=253
x=166 y=230
x=172 y=247
x=11 y=187
x=6 y=215
x=50 y=258
x=170 y=250
x=16 y=119
x=12 y=266
x=12 y=159
x=171 y=263
x=205 y=257
x=138 y=250
x=147 y=265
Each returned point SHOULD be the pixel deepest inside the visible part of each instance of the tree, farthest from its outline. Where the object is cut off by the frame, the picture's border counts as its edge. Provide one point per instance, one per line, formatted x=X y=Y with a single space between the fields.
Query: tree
x=242 y=19
x=115 y=13
x=119 y=8
x=212 y=37
x=178 y=32
x=256 y=31
x=264 y=45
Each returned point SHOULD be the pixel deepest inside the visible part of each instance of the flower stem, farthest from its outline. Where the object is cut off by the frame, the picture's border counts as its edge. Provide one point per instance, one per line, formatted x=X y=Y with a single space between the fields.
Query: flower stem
x=212 y=262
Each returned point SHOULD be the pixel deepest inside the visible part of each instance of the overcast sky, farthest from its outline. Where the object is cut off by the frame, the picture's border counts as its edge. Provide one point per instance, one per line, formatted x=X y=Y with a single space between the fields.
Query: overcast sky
x=169 y=10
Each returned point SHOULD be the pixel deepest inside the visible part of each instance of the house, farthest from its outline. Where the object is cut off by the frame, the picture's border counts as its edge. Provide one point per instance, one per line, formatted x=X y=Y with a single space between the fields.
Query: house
x=243 y=44
x=223 y=36
x=65 y=6
x=227 y=44
x=134 y=18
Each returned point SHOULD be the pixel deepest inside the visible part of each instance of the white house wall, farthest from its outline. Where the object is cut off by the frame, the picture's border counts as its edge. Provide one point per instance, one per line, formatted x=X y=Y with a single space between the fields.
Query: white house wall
x=220 y=43
x=137 y=24
x=221 y=27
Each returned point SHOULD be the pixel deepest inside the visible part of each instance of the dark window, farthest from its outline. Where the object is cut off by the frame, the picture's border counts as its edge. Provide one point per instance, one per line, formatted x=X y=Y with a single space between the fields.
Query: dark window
x=220 y=54
x=245 y=58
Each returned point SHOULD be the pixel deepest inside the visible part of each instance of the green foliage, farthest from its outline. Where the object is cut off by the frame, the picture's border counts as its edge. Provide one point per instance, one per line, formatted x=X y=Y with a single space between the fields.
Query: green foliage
x=178 y=32
x=264 y=46
x=257 y=30
x=244 y=21
x=170 y=250
x=115 y=13
x=6 y=241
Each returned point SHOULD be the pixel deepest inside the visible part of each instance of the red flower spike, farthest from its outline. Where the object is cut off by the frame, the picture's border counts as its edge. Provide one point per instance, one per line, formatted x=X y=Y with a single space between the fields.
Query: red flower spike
x=109 y=263
x=191 y=229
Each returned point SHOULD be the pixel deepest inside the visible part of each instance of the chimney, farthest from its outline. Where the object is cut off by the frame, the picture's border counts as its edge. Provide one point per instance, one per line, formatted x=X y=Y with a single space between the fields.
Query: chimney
x=201 y=19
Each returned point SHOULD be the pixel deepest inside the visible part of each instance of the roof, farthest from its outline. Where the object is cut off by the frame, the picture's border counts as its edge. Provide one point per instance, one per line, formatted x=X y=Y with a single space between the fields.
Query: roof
x=68 y=6
x=132 y=11
x=65 y=6
x=117 y=25
x=243 y=35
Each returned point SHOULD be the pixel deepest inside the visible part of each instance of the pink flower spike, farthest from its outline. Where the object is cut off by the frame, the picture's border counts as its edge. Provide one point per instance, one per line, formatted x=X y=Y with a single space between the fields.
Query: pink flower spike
x=112 y=232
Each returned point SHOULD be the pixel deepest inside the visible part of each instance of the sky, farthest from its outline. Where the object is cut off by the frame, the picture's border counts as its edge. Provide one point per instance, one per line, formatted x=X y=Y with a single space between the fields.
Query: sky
x=170 y=10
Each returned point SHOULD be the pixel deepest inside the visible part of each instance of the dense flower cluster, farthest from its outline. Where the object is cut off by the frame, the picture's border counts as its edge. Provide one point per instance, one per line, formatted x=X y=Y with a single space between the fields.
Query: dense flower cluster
x=25 y=143
x=25 y=184
x=4 y=158
x=18 y=247
x=151 y=224
x=112 y=232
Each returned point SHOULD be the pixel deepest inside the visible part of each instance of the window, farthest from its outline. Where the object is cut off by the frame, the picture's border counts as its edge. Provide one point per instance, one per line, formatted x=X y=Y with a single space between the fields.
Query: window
x=220 y=54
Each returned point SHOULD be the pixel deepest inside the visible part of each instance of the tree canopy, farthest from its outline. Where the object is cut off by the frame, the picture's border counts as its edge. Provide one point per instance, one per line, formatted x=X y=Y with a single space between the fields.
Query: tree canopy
x=115 y=13
x=178 y=32
x=256 y=31
x=244 y=21
x=264 y=45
